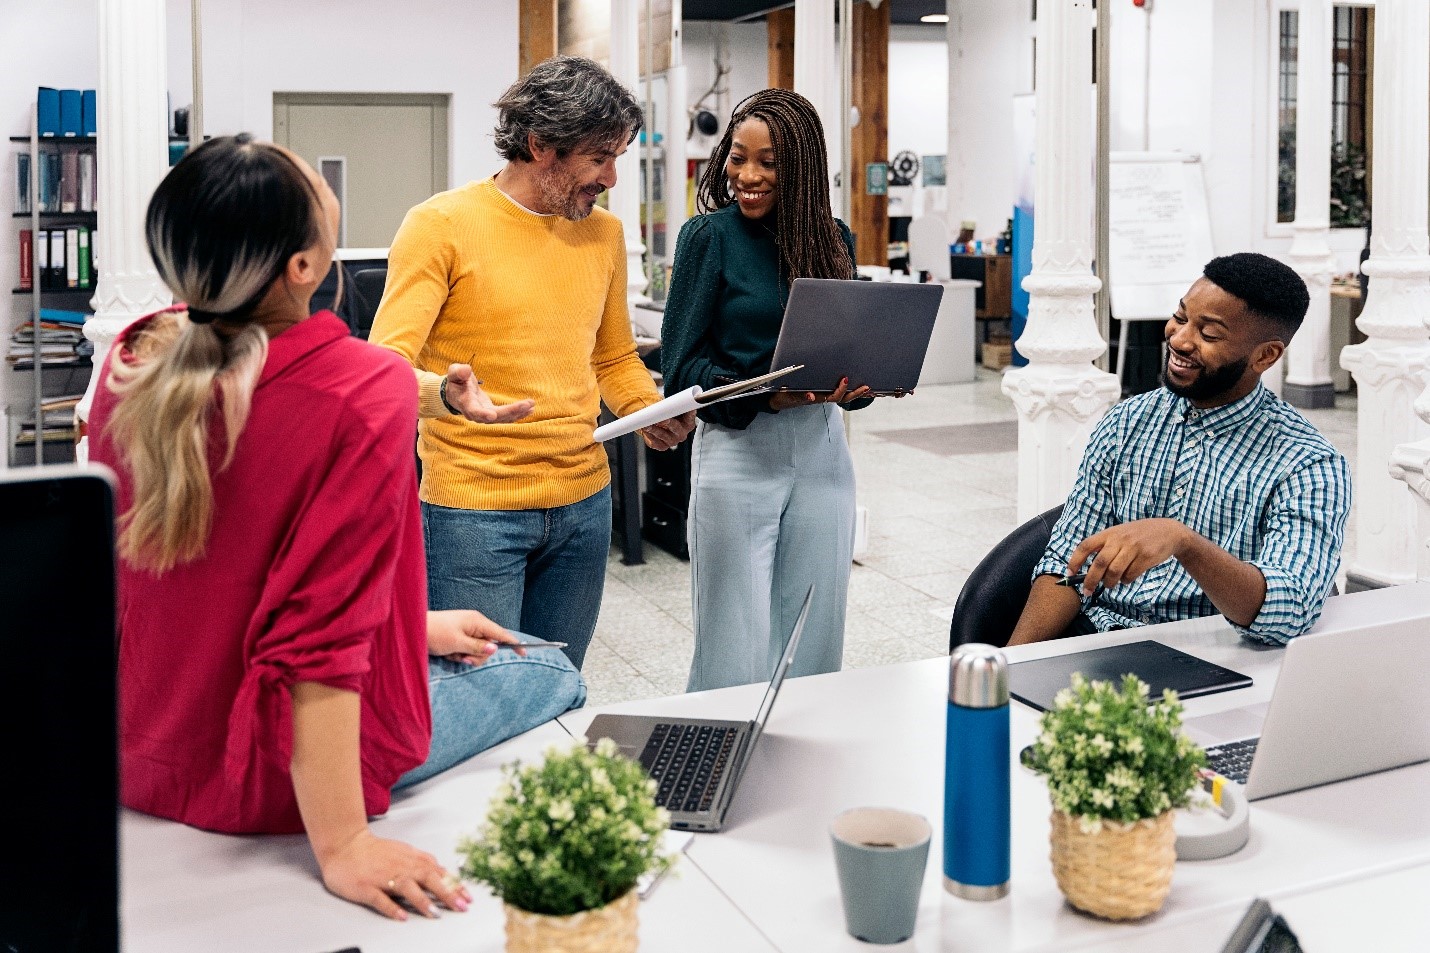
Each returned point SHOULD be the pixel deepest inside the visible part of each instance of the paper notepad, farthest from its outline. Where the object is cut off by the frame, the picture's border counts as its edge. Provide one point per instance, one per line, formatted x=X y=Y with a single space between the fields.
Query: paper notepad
x=687 y=400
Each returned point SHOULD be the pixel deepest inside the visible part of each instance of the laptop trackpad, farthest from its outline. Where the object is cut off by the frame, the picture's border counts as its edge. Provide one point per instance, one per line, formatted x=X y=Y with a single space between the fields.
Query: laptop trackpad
x=1224 y=726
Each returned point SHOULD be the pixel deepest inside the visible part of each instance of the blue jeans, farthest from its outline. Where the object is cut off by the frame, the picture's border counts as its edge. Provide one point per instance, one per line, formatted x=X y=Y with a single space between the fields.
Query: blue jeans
x=535 y=571
x=476 y=707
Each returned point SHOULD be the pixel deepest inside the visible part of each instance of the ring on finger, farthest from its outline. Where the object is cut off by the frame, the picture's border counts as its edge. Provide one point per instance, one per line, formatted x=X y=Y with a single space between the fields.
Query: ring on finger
x=392 y=885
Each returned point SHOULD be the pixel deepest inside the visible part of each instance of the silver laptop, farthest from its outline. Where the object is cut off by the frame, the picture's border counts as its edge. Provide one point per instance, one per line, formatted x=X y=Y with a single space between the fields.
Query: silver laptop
x=1346 y=703
x=698 y=762
x=873 y=332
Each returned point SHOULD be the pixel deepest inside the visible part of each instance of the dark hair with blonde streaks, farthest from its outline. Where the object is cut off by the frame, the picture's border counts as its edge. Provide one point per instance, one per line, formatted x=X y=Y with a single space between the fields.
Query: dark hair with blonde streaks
x=809 y=241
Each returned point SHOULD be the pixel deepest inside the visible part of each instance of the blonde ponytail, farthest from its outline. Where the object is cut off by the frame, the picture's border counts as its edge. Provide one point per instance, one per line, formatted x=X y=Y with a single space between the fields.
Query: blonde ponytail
x=170 y=382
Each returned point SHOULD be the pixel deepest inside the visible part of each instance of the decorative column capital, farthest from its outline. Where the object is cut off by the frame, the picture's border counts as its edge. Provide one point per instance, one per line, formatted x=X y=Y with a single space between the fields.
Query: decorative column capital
x=1378 y=362
x=1038 y=391
x=1410 y=463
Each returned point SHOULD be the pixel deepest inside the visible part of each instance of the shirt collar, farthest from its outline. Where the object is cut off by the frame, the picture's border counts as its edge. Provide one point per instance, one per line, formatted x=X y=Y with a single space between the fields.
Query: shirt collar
x=1225 y=417
x=301 y=339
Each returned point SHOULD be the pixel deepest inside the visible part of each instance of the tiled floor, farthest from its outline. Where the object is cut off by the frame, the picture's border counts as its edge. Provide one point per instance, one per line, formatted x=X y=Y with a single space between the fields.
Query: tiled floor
x=933 y=513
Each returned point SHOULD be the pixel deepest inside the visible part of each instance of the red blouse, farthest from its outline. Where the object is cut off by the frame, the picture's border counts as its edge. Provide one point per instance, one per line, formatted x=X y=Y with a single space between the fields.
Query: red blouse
x=314 y=572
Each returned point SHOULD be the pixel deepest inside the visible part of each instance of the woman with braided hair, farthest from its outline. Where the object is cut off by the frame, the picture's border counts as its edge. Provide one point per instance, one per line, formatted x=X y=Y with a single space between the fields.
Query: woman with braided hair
x=772 y=482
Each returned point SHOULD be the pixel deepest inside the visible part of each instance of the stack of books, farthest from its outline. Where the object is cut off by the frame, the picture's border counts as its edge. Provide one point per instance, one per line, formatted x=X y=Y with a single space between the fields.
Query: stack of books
x=62 y=340
x=67 y=181
x=59 y=421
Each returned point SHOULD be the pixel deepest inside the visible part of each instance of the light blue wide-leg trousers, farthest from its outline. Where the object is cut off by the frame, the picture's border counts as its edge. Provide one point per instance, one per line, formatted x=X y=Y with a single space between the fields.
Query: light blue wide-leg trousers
x=771 y=513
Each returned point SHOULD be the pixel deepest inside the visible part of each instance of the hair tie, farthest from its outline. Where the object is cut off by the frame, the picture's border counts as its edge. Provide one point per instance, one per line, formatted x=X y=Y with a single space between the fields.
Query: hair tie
x=199 y=316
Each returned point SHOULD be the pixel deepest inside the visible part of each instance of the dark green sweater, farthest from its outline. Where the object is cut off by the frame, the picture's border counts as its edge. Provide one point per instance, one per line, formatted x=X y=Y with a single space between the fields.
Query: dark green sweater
x=723 y=315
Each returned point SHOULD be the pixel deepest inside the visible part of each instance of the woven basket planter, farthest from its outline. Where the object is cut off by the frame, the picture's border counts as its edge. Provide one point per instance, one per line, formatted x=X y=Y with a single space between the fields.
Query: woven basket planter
x=608 y=929
x=1122 y=872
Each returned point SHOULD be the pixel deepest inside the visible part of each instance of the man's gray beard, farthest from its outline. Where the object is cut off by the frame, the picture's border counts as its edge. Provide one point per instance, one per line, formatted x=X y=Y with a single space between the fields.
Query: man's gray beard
x=556 y=194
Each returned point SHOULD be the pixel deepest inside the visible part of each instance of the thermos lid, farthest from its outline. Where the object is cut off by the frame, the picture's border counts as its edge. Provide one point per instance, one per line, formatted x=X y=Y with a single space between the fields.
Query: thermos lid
x=978 y=676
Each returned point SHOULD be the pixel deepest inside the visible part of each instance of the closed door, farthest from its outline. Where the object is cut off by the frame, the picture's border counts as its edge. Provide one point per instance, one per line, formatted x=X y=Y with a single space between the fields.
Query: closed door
x=381 y=153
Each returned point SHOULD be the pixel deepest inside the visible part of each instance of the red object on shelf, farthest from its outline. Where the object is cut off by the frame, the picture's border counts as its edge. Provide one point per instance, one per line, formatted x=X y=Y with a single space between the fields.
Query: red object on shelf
x=1142 y=4
x=27 y=260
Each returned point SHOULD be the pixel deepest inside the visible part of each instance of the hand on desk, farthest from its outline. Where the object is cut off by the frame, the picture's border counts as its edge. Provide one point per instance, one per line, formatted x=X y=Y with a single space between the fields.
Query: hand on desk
x=465 y=393
x=668 y=434
x=465 y=635
x=379 y=873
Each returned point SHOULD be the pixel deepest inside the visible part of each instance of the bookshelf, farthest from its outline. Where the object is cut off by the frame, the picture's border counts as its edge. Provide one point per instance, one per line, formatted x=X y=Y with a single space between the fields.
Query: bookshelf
x=54 y=192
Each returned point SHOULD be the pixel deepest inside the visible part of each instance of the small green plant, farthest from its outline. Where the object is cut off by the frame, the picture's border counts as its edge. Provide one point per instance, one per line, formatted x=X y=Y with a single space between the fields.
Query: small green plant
x=569 y=834
x=1109 y=756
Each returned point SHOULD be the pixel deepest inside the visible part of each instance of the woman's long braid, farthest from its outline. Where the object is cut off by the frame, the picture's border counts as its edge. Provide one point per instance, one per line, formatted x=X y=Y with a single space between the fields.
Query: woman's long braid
x=809 y=242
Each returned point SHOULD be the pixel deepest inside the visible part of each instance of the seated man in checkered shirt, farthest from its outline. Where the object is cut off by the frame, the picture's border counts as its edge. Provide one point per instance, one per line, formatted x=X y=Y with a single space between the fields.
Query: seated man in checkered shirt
x=1209 y=495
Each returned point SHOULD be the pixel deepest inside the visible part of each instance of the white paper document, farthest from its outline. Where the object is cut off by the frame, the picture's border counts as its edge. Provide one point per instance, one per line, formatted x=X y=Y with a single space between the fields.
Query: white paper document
x=687 y=400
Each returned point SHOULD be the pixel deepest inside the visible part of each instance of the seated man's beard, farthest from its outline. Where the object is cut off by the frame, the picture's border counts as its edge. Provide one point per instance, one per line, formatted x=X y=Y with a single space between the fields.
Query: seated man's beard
x=1207 y=384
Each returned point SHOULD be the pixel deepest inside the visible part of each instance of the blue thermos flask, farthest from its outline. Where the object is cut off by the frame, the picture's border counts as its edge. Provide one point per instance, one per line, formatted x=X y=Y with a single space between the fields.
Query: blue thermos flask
x=976 y=830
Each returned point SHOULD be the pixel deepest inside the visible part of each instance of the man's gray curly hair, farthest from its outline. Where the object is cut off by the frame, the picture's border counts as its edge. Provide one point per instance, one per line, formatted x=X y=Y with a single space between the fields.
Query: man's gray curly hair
x=568 y=102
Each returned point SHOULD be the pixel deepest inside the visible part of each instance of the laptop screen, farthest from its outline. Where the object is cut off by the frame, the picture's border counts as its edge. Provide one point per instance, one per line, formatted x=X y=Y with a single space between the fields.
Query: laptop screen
x=786 y=660
x=59 y=775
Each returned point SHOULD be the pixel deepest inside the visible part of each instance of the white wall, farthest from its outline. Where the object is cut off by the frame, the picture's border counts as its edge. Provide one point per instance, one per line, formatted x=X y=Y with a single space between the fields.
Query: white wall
x=918 y=89
x=989 y=62
x=746 y=53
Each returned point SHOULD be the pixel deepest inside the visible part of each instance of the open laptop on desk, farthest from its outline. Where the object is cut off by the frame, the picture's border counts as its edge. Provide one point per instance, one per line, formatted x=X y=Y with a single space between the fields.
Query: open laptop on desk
x=1346 y=703
x=698 y=762
x=59 y=775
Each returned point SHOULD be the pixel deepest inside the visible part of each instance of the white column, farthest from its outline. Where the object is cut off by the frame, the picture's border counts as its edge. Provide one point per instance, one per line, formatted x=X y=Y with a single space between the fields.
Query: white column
x=1060 y=395
x=1308 y=358
x=133 y=156
x=626 y=196
x=816 y=73
x=1390 y=367
x=676 y=125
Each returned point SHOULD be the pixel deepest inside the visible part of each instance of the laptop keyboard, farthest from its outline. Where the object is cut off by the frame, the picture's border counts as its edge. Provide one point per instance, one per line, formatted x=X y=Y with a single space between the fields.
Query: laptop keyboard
x=1233 y=760
x=688 y=761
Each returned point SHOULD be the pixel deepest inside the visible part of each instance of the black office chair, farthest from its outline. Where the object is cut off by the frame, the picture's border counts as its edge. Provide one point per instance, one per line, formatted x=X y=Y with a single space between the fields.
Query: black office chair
x=365 y=294
x=988 y=608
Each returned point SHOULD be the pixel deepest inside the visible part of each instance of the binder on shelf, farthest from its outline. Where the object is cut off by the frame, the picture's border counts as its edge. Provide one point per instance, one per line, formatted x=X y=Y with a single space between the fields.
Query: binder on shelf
x=72 y=257
x=89 y=118
x=86 y=181
x=22 y=182
x=27 y=260
x=71 y=118
x=69 y=181
x=42 y=259
x=47 y=112
x=86 y=273
x=49 y=181
x=57 y=259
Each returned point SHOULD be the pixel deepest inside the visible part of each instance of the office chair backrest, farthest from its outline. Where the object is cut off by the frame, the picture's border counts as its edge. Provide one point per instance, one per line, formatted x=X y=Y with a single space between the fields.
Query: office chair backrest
x=928 y=246
x=992 y=599
x=367 y=290
x=59 y=791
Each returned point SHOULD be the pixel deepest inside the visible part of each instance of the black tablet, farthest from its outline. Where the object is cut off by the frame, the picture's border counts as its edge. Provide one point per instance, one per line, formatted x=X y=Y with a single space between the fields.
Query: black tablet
x=1037 y=682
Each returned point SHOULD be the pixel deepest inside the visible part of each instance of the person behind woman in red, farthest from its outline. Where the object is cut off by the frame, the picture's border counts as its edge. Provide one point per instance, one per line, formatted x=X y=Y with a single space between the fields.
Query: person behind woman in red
x=273 y=634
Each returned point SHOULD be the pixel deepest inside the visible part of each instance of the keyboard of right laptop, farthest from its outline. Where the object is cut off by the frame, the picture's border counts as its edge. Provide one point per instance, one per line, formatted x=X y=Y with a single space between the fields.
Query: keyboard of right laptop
x=1233 y=759
x=687 y=761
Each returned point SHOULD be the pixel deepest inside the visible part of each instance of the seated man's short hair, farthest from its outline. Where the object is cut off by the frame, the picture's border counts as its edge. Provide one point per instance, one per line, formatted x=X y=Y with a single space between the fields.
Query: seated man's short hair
x=1270 y=289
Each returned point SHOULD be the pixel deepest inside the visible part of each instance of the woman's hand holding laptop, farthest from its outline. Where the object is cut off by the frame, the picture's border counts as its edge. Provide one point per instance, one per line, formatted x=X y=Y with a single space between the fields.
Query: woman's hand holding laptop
x=785 y=399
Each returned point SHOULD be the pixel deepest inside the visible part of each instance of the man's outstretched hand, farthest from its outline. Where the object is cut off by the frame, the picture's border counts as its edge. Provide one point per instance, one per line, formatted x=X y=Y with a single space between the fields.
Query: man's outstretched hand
x=465 y=393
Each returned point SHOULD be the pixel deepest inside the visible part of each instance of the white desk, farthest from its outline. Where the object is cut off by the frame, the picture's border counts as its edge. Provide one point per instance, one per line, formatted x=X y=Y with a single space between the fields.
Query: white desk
x=187 y=891
x=875 y=737
x=871 y=736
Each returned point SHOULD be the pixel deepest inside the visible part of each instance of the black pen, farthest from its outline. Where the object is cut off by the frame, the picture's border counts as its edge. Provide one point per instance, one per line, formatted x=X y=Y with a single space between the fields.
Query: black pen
x=1072 y=582
x=530 y=645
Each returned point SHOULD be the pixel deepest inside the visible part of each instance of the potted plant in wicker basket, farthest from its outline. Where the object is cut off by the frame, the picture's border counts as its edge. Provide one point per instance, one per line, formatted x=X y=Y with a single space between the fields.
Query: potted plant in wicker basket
x=563 y=844
x=1117 y=768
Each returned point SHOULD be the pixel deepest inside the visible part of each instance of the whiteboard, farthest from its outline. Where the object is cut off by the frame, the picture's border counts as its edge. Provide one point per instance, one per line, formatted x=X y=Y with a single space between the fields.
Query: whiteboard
x=1159 y=231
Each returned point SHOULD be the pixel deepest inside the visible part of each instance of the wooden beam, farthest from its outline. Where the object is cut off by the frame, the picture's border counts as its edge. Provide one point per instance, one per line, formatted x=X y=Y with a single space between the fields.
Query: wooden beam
x=869 y=140
x=536 y=33
x=780 y=25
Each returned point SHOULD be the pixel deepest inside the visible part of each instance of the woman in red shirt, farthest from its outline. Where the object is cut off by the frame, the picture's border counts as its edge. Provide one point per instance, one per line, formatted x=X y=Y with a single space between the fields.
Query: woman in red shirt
x=274 y=639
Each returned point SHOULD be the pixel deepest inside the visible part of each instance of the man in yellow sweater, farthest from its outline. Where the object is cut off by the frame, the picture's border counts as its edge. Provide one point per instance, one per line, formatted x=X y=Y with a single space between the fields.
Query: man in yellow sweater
x=508 y=297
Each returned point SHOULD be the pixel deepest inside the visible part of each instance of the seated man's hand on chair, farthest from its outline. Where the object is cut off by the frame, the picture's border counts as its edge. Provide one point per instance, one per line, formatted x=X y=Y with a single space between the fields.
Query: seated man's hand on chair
x=1124 y=552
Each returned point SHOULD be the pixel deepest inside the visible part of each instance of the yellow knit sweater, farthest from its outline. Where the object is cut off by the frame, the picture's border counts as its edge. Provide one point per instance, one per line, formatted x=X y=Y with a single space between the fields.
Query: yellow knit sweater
x=537 y=304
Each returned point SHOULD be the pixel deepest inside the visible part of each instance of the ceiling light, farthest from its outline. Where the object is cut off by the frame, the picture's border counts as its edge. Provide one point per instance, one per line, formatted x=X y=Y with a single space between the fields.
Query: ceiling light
x=934 y=18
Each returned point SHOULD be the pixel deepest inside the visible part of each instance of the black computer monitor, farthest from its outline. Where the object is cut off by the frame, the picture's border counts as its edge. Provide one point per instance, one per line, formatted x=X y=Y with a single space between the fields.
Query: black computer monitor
x=59 y=843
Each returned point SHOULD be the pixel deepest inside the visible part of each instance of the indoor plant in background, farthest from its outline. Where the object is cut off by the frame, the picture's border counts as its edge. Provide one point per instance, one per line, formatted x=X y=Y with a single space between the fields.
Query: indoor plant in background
x=563 y=845
x=1117 y=768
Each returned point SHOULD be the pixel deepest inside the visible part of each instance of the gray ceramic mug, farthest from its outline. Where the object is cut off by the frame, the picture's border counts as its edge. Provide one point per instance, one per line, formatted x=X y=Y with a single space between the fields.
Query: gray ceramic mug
x=880 y=854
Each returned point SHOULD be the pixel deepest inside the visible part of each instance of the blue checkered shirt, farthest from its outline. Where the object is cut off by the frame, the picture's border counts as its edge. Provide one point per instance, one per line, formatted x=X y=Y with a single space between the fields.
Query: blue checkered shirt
x=1253 y=476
